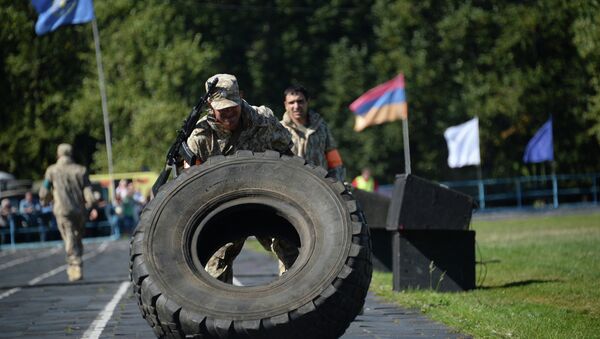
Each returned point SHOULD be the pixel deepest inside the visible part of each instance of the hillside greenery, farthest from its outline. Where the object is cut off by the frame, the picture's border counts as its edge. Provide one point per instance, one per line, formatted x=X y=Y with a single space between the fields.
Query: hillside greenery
x=511 y=63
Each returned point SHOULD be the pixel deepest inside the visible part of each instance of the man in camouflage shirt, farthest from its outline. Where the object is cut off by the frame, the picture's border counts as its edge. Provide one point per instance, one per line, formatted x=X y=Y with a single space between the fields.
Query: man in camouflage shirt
x=67 y=184
x=232 y=124
x=312 y=138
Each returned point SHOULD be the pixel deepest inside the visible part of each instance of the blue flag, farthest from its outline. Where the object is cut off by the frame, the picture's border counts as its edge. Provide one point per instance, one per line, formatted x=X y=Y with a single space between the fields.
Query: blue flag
x=540 y=146
x=56 y=13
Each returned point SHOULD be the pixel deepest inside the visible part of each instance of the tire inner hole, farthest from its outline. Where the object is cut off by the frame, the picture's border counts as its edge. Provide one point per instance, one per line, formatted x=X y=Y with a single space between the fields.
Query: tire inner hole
x=232 y=240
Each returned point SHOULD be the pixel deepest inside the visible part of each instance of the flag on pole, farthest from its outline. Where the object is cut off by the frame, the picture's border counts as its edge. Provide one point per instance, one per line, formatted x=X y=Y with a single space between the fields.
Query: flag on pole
x=540 y=147
x=56 y=13
x=384 y=103
x=463 y=144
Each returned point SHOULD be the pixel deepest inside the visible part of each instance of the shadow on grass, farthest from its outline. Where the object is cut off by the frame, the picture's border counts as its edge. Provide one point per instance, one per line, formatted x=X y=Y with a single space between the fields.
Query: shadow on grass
x=519 y=283
x=490 y=261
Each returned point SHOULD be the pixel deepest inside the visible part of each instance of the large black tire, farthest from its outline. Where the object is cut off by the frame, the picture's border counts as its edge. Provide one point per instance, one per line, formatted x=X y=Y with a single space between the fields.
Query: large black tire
x=230 y=197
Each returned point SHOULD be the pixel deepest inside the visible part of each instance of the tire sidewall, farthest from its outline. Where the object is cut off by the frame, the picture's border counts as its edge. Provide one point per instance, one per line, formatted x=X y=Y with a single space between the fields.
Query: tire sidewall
x=316 y=209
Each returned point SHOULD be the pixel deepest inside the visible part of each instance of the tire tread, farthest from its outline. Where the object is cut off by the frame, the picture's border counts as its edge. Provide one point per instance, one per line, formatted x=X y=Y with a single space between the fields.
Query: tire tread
x=326 y=316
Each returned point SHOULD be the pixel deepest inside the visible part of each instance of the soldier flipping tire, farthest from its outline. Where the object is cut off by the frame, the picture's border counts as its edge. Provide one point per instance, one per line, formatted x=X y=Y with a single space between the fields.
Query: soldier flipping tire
x=228 y=198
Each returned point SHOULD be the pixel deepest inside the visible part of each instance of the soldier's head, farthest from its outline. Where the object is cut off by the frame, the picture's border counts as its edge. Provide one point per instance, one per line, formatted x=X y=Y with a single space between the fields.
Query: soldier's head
x=225 y=101
x=295 y=100
x=64 y=150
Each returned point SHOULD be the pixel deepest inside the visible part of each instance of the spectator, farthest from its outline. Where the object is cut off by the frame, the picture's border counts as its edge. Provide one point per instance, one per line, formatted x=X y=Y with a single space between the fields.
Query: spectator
x=100 y=211
x=365 y=181
x=97 y=215
x=47 y=217
x=30 y=210
x=138 y=199
x=128 y=205
x=116 y=214
x=121 y=190
x=6 y=217
x=7 y=212
x=124 y=215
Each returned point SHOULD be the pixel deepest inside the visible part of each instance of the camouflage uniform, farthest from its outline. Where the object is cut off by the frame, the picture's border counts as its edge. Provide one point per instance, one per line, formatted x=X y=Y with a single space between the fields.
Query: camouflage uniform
x=312 y=142
x=68 y=186
x=259 y=131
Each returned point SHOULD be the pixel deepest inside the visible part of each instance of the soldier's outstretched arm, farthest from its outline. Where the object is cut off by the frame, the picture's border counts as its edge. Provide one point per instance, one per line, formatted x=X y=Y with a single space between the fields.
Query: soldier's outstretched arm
x=45 y=193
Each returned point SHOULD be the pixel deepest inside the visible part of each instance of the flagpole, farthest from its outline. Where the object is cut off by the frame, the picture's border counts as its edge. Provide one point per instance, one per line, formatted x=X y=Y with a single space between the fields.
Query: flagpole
x=406 y=146
x=554 y=185
x=481 y=188
x=107 y=136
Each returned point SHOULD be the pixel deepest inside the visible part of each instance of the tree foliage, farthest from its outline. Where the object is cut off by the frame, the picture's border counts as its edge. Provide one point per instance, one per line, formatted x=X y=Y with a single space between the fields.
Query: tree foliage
x=511 y=63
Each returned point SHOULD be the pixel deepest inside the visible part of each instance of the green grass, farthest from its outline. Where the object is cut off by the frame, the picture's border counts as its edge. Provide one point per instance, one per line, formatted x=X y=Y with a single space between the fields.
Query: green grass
x=542 y=280
x=253 y=245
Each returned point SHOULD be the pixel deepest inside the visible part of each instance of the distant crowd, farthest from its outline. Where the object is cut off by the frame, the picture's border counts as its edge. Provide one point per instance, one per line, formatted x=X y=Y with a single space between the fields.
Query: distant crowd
x=124 y=212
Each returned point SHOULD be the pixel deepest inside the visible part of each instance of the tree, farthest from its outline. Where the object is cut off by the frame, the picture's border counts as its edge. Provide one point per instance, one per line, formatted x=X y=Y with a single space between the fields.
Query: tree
x=510 y=63
x=36 y=89
x=155 y=70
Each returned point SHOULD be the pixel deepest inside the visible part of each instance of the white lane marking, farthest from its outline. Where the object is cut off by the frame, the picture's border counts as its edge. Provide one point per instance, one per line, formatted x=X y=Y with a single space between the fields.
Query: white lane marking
x=46 y=275
x=237 y=282
x=85 y=257
x=23 y=260
x=9 y=292
x=98 y=325
x=50 y=273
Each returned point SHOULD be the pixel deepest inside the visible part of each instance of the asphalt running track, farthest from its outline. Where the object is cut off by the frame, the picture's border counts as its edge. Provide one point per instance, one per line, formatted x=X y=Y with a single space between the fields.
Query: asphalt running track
x=37 y=301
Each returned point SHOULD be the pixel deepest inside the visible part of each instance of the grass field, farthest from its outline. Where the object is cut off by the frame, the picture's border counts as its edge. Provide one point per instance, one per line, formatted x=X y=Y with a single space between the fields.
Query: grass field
x=542 y=280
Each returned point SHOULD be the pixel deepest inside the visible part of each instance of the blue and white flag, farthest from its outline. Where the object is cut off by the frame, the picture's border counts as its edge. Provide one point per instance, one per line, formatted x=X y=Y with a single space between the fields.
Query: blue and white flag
x=540 y=147
x=463 y=144
x=56 y=13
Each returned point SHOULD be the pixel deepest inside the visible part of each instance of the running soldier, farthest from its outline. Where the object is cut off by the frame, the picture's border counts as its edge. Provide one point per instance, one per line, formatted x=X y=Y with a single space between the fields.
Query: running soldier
x=231 y=125
x=311 y=136
x=68 y=186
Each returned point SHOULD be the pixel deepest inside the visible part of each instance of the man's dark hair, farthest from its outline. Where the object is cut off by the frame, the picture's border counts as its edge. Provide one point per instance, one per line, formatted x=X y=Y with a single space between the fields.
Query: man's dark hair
x=296 y=88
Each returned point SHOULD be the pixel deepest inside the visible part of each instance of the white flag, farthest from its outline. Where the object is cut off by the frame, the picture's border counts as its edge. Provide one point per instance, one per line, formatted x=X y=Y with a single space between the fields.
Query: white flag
x=463 y=144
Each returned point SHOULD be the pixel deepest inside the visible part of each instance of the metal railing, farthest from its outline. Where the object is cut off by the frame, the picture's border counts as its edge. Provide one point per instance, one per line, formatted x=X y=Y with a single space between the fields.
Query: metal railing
x=44 y=232
x=528 y=191
x=535 y=191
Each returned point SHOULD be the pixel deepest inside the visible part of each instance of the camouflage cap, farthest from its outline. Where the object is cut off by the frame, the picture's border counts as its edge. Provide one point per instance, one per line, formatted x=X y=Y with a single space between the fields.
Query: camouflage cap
x=64 y=150
x=227 y=93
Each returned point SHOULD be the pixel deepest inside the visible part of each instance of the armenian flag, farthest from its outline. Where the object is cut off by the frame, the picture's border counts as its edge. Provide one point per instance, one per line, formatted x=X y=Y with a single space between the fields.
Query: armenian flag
x=384 y=103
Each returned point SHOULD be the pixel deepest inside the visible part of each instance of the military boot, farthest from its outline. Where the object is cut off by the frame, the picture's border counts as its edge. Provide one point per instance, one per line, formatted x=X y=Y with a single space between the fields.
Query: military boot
x=74 y=273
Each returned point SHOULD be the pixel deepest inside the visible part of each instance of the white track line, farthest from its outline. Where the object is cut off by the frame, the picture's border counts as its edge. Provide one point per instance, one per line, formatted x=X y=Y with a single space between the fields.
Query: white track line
x=98 y=325
x=46 y=275
x=9 y=292
x=23 y=260
x=50 y=273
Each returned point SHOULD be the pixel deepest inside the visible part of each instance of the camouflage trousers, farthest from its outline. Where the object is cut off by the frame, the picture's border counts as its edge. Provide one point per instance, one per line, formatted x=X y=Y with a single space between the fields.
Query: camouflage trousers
x=220 y=265
x=71 y=230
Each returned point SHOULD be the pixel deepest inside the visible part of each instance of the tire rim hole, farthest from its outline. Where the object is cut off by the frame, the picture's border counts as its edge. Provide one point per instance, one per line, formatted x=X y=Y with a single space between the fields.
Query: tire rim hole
x=254 y=228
